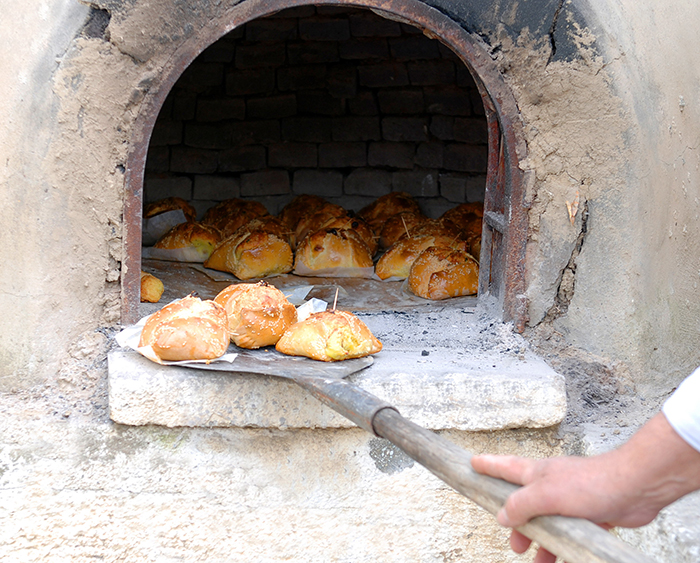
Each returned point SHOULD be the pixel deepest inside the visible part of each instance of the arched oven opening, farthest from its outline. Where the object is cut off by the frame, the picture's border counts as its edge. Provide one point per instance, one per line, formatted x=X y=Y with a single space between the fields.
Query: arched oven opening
x=347 y=102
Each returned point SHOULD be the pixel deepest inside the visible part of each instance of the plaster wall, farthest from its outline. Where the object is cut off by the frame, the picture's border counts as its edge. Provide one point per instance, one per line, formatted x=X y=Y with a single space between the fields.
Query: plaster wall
x=599 y=87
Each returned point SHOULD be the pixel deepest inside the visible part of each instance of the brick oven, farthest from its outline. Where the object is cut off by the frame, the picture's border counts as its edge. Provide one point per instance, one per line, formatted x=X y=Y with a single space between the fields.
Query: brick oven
x=574 y=124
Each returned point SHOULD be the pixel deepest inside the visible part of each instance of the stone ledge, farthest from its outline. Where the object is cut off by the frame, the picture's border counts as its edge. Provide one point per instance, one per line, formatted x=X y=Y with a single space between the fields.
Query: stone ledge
x=428 y=390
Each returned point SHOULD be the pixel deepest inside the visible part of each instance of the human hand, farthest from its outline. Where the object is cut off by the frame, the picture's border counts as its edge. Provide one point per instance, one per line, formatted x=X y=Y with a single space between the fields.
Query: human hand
x=625 y=487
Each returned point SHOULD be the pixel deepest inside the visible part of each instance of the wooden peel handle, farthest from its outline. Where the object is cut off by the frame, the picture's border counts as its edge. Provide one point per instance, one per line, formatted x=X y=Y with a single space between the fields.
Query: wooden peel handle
x=573 y=539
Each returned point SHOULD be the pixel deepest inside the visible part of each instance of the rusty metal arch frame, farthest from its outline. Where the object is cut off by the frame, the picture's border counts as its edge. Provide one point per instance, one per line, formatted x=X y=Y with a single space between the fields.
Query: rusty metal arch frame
x=505 y=207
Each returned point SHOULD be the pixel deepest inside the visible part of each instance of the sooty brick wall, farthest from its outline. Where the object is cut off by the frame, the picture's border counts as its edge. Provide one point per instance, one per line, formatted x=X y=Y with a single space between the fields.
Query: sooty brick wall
x=331 y=101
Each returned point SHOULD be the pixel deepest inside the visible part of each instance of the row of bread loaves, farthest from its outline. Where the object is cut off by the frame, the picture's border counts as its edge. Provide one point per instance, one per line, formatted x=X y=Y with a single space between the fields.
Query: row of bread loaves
x=253 y=316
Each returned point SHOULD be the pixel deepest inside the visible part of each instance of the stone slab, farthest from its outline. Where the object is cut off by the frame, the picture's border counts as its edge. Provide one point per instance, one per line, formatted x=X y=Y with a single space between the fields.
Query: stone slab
x=439 y=391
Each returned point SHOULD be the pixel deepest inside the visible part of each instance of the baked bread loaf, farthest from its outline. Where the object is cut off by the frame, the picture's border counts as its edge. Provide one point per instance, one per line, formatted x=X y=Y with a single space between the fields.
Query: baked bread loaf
x=440 y=272
x=329 y=336
x=203 y=238
x=151 y=288
x=435 y=227
x=358 y=225
x=467 y=217
x=400 y=225
x=314 y=221
x=258 y=313
x=252 y=254
x=377 y=212
x=332 y=248
x=188 y=329
x=396 y=262
x=268 y=224
x=301 y=206
x=231 y=214
x=170 y=204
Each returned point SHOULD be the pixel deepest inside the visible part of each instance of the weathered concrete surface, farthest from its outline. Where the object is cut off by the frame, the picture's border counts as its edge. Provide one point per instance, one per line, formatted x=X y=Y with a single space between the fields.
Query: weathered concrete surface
x=76 y=492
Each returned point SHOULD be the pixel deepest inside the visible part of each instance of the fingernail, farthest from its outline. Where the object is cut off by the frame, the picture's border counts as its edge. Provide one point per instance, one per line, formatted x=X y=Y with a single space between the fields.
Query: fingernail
x=502 y=518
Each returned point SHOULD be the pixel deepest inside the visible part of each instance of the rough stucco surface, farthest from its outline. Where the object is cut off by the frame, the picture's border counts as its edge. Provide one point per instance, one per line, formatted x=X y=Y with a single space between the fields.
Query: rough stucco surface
x=612 y=114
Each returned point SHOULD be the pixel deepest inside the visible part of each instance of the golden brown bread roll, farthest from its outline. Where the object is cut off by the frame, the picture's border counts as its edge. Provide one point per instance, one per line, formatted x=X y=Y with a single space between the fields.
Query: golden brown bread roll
x=358 y=225
x=314 y=220
x=332 y=248
x=203 y=238
x=397 y=261
x=151 y=288
x=440 y=272
x=268 y=224
x=258 y=313
x=231 y=214
x=329 y=336
x=301 y=206
x=188 y=329
x=398 y=226
x=170 y=204
x=467 y=217
x=377 y=212
x=252 y=254
x=435 y=227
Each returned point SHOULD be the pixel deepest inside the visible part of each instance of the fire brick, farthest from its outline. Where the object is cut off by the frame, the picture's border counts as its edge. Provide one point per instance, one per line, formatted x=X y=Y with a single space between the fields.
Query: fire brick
x=368 y=25
x=198 y=161
x=293 y=155
x=342 y=155
x=427 y=73
x=307 y=129
x=356 y=129
x=418 y=183
x=374 y=48
x=242 y=159
x=363 y=104
x=442 y=127
x=470 y=130
x=264 y=183
x=312 y=52
x=296 y=12
x=254 y=132
x=217 y=188
x=477 y=103
x=369 y=182
x=308 y=77
x=324 y=29
x=199 y=76
x=184 y=105
x=414 y=48
x=447 y=100
x=401 y=101
x=465 y=158
x=166 y=132
x=342 y=82
x=159 y=186
x=158 y=159
x=260 y=55
x=405 y=129
x=383 y=75
x=430 y=155
x=219 y=110
x=206 y=136
x=461 y=187
x=272 y=107
x=326 y=183
x=252 y=81
x=395 y=155
x=319 y=102
x=219 y=52
x=278 y=29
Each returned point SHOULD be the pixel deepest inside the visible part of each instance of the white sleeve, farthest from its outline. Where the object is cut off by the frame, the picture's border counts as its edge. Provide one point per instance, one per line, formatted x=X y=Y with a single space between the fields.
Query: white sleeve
x=682 y=409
